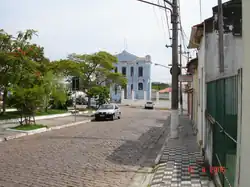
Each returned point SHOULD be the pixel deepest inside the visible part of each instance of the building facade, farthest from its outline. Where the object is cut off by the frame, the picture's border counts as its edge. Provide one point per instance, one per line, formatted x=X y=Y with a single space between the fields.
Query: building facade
x=137 y=70
x=219 y=97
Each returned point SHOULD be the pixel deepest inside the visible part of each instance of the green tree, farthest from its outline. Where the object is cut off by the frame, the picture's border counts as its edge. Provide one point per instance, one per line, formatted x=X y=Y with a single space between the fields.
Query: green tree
x=159 y=86
x=8 y=64
x=96 y=70
x=54 y=90
x=34 y=81
x=101 y=94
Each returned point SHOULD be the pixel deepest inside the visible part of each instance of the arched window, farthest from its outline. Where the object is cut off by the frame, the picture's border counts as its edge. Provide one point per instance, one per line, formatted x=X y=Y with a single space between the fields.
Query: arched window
x=140 y=86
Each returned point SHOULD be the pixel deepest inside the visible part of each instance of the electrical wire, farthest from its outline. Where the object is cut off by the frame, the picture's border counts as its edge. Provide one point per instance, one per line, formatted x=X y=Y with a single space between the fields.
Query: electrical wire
x=181 y=36
x=184 y=36
x=164 y=32
x=168 y=27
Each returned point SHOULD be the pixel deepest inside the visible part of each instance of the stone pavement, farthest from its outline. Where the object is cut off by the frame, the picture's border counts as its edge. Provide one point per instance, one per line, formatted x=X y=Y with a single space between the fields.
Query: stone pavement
x=96 y=154
x=59 y=121
x=179 y=156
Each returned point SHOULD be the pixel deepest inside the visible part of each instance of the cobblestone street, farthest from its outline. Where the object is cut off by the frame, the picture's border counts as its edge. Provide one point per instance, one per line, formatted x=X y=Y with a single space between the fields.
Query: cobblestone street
x=95 y=154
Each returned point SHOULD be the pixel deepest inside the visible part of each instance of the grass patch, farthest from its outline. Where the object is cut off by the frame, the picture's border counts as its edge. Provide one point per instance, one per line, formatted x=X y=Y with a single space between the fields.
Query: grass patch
x=16 y=114
x=163 y=108
x=50 y=112
x=29 y=127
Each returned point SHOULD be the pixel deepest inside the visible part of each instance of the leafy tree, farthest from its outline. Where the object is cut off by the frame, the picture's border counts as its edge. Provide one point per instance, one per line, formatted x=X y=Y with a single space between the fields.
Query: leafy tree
x=34 y=82
x=101 y=94
x=159 y=86
x=95 y=71
x=8 y=64
x=12 y=53
x=53 y=90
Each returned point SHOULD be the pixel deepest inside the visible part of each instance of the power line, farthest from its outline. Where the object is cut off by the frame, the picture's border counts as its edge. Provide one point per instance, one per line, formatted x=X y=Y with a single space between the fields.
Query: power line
x=182 y=37
x=168 y=27
x=163 y=25
x=164 y=32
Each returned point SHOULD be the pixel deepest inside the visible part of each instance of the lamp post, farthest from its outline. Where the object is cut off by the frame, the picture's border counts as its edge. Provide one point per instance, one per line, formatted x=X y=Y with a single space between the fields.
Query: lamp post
x=162 y=65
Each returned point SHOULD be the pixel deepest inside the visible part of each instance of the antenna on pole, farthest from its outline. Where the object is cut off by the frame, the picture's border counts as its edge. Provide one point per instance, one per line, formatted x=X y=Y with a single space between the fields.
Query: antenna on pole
x=125 y=44
x=200 y=4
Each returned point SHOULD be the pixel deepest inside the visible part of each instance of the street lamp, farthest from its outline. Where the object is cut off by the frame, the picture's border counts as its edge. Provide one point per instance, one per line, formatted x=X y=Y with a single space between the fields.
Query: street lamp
x=160 y=6
x=162 y=65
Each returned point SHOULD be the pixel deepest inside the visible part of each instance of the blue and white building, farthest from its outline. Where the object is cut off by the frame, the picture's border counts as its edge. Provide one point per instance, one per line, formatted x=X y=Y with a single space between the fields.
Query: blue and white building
x=137 y=70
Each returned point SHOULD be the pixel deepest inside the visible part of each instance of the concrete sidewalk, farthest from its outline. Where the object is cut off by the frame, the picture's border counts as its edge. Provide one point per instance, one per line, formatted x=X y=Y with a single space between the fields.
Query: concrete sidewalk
x=178 y=156
x=54 y=123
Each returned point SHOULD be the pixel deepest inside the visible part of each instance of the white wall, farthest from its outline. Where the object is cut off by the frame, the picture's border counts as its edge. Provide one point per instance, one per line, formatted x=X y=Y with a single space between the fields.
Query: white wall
x=233 y=54
x=233 y=58
x=244 y=179
x=202 y=93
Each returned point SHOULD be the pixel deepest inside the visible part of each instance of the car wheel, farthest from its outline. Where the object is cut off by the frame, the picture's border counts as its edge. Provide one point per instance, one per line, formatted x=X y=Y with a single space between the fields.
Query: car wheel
x=113 y=117
x=97 y=119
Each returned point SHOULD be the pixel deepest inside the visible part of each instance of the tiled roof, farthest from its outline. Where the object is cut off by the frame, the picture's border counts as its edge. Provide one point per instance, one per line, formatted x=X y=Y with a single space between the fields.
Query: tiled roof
x=166 y=90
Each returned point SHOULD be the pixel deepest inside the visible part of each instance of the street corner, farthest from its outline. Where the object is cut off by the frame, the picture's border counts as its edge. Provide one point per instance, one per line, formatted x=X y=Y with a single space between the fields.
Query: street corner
x=20 y=133
x=14 y=136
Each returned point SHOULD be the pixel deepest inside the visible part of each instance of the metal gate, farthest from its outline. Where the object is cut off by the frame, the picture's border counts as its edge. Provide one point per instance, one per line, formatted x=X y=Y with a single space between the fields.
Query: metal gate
x=222 y=111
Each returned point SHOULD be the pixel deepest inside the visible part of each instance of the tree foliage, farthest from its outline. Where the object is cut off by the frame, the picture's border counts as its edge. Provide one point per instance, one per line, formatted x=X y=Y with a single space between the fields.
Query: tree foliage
x=159 y=86
x=96 y=71
x=101 y=94
x=35 y=82
x=31 y=80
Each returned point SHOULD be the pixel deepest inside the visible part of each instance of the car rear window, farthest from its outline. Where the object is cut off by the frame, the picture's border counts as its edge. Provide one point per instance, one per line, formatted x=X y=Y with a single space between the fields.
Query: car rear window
x=149 y=102
x=106 y=107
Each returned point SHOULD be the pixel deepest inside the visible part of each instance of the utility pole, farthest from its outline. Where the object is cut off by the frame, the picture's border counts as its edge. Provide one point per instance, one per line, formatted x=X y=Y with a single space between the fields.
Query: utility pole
x=221 y=35
x=175 y=69
x=181 y=99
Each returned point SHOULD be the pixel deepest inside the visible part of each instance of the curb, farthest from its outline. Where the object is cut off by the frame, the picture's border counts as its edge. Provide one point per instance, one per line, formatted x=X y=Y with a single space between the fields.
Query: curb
x=16 y=120
x=158 y=158
x=38 y=131
x=87 y=115
x=155 y=108
x=144 y=175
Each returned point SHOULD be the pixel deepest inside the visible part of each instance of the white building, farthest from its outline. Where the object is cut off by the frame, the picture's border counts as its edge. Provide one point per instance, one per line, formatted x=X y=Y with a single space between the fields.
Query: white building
x=219 y=102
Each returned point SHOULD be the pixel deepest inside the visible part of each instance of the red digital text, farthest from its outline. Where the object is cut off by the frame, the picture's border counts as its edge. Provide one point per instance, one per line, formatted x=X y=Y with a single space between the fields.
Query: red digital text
x=212 y=170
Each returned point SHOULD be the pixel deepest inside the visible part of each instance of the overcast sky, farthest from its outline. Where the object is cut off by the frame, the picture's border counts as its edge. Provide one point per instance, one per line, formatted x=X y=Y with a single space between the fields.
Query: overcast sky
x=87 y=26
